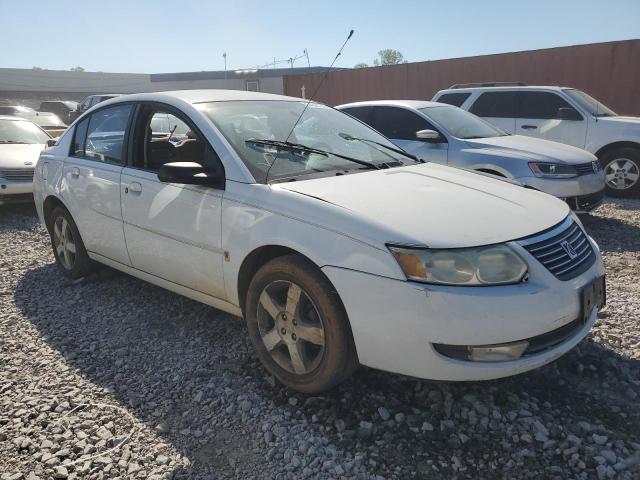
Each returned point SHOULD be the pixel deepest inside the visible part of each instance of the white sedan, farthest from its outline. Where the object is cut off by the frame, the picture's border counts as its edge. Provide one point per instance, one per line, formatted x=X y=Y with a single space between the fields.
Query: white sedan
x=20 y=144
x=336 y=247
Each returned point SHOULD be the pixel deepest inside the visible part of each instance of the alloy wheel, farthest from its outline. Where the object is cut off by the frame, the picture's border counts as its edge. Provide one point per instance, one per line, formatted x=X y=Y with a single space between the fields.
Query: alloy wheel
x=621 y=174
x=64 y=243
x=290 y=327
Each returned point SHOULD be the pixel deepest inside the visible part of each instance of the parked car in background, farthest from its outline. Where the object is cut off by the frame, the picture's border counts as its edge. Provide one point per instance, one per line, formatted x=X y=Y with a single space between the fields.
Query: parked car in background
x=355 y=252
x=564 y=115
x=21 y=142
x=61 y=108
x=46 y=120
x=18 y=111
x=448 y=135
x=89 y=102
x=50 y=123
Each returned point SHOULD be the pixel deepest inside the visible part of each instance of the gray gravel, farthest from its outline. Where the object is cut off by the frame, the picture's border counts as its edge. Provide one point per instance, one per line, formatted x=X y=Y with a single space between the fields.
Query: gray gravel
x=114 y=378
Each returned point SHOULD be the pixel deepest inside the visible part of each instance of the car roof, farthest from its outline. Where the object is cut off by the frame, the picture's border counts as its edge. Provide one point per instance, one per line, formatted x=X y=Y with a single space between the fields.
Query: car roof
x=506 y=87
x=12 y=117
x=203 y=96
x=413 y=104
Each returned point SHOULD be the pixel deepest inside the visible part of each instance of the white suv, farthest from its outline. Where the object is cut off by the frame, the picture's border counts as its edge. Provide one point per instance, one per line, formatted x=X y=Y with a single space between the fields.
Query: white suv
x=560 y=114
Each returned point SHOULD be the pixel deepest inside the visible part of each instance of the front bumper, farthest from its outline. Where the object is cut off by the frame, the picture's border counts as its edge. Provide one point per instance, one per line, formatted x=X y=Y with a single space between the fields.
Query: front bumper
x=396 y=323
x=567 y=187
x=15 y=191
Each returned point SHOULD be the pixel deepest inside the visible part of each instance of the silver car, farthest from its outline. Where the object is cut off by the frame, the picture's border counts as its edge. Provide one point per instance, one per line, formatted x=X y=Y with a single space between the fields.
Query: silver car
x=442 y=133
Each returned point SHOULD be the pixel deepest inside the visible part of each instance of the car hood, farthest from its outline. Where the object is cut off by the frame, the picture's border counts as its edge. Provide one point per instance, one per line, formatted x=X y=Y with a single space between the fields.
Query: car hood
x=433 y=205
x=19 y=155
x=620 y=119
x=533 y=149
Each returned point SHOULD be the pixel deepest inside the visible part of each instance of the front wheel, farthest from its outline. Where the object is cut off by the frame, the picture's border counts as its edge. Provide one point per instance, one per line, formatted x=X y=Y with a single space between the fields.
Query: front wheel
x=622 y=172
x=298 y=326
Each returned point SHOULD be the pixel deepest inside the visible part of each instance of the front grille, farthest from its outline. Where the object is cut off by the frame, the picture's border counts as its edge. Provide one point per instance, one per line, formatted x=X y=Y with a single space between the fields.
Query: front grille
x=587 y=168
x=17 y=174
x=565 y=250
x=585 y=203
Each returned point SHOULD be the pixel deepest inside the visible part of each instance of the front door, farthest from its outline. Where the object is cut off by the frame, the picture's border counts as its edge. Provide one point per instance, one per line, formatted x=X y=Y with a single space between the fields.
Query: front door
x=172 y=230
x=538 y=115
x=91 y=183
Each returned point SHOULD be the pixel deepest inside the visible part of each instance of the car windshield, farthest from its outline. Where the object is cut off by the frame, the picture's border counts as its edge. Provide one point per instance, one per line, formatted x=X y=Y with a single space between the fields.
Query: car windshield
x=460 y=123
x=589 y=103
x=19 y=131
x=320 y=127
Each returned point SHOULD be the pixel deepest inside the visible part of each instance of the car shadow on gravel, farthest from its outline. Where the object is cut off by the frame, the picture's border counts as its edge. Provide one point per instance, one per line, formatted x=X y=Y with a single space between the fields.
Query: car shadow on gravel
x=158 y=354
x=612 y=234
x=166 y=358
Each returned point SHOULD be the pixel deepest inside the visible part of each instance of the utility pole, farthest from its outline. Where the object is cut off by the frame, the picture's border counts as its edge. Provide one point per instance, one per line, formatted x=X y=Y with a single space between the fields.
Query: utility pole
x=224 y=55
x=306 y=53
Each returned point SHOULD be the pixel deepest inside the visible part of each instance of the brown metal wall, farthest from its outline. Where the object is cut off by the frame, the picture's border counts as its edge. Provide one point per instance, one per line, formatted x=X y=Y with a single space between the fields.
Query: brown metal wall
x=608 y=71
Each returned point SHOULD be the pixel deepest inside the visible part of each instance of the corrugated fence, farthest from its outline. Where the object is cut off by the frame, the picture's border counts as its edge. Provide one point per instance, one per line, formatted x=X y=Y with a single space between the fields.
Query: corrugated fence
x=610 y=72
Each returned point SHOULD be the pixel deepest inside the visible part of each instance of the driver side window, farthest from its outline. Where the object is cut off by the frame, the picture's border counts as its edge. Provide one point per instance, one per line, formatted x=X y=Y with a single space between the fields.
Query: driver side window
x=398 y=123
x=163 y=137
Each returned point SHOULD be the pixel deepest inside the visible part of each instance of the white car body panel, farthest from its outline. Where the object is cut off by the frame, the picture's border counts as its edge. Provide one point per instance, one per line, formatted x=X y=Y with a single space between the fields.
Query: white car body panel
x=178 y=223
x=193 y=240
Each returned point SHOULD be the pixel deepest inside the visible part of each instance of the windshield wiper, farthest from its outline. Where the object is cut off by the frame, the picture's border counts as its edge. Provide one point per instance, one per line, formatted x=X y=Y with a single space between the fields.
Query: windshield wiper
x=346 y=136
x=13 y=141
x=303 y=148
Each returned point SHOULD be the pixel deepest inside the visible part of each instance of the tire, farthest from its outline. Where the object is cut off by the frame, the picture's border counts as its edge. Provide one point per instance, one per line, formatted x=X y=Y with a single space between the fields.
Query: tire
x=308 y=348
x=71 y=256
x=622 y=172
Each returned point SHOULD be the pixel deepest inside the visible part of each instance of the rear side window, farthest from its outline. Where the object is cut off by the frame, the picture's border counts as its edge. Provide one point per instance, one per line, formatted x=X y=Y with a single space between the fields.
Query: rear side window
x=494 y=104
x=398 y=123
x=361 y=113
x=101 y=136
x=543 y=105
x=455 y=99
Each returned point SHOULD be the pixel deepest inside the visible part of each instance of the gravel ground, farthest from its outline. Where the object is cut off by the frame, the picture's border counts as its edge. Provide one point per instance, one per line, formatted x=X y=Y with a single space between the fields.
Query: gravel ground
x=111 y=377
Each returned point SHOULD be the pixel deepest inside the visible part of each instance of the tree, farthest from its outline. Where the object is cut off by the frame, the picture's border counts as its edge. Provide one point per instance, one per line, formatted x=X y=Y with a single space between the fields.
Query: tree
x=389 y=56
x=77 y=69
x=360 y=65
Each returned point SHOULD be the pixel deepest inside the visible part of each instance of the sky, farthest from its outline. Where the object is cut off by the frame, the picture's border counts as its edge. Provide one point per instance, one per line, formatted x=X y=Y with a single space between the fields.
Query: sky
x=144 y=36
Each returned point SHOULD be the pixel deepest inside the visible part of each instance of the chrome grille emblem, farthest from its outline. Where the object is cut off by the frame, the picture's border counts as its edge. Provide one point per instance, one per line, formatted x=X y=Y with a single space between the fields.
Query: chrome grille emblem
x=568 y=248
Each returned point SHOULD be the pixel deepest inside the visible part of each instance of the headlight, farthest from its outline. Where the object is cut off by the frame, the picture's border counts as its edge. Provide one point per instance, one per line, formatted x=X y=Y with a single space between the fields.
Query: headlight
x=492 y=265
x=552 y=170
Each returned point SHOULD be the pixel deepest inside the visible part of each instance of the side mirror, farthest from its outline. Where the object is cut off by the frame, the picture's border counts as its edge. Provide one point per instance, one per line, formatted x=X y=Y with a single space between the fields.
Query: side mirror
x=189 y=173
x=51 y=142
x=567 y=113
x=429 y=136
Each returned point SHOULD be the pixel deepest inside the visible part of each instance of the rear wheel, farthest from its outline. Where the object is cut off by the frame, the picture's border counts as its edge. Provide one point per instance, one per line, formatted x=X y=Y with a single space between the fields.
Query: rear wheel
x=68 y=249
x=622 y=172
x=298 y=326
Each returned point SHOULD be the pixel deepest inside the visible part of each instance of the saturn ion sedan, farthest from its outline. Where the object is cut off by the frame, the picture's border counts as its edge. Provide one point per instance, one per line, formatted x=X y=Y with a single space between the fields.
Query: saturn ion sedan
x=338 y=248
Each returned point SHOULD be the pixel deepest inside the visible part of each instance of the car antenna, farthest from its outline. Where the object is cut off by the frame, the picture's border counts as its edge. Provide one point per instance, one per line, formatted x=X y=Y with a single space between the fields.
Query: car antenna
x=324 y=77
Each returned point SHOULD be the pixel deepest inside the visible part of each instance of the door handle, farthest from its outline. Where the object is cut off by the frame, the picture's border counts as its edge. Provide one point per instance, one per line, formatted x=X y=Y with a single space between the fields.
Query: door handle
x=135 y=187
x=528 y=127
x=75 y=172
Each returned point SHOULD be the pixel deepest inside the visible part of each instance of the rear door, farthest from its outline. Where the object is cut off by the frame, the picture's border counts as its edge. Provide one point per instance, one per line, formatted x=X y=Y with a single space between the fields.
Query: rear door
x=91 y=185
x=400 y=126
x=496 y=107
x=538 y=115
